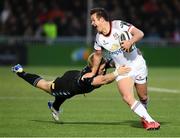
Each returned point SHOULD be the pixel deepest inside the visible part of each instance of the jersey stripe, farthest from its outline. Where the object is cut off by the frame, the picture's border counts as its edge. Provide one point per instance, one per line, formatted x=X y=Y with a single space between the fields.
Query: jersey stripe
x=127 y=35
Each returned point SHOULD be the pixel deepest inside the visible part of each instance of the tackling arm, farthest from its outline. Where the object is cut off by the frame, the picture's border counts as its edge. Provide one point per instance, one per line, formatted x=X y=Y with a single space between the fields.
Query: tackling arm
x=96 y=61
x=95 y=65
x=108 y=78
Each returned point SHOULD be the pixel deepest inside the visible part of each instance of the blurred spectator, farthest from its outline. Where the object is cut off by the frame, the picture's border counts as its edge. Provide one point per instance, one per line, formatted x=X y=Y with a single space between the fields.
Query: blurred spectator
x=26 y=18
x=176 y=35
x=5 y=13
x=150 y=6
x=50 y=29
x=153 y=34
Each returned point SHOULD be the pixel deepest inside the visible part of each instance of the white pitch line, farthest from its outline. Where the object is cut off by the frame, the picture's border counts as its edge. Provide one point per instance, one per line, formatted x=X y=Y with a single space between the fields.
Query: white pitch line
x=154 y=89
x=163 y=90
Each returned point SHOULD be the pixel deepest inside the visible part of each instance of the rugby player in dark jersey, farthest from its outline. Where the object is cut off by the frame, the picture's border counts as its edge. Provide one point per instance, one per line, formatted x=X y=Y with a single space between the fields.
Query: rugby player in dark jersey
x=71 y=83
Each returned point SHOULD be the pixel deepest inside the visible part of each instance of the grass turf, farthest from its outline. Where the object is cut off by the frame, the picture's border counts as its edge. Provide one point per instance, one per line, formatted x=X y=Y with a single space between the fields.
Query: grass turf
x=102 y=113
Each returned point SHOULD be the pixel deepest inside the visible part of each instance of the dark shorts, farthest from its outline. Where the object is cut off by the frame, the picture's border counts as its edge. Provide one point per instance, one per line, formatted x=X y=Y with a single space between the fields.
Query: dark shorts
x=66 y=86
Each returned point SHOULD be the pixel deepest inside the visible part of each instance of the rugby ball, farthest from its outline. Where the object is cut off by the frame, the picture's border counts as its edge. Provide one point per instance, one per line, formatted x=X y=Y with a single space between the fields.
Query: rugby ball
x=126 y=36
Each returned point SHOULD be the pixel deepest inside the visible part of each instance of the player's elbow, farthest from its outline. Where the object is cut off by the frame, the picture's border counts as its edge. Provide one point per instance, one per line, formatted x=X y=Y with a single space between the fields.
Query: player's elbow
x=141 y=34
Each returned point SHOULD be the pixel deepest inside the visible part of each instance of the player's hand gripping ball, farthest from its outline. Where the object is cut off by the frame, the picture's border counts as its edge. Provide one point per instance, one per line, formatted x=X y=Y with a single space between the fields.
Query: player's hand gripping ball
x=123 y=37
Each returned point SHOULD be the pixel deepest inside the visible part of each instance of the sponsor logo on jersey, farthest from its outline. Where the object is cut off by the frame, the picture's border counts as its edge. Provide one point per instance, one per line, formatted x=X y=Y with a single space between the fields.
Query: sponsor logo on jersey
x=117 y=52
x=115 y=49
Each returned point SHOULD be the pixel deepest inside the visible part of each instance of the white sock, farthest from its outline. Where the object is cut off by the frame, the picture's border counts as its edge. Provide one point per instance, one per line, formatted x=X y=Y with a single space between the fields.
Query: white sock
x=139 y=109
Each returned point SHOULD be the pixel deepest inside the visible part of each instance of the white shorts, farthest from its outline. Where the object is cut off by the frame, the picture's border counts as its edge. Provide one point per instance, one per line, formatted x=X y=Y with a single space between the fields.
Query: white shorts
x=138 y=71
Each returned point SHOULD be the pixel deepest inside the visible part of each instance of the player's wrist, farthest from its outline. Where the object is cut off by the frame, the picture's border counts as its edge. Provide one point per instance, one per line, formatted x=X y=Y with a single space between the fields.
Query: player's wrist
x=131 y=42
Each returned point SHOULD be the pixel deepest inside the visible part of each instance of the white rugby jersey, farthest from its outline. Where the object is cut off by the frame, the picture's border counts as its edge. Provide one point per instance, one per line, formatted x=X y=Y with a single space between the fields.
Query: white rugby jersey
x=112 y=45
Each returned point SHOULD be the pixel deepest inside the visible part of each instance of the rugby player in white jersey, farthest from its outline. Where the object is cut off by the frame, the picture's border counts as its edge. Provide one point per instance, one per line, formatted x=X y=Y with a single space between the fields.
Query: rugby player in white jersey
x=123 y=52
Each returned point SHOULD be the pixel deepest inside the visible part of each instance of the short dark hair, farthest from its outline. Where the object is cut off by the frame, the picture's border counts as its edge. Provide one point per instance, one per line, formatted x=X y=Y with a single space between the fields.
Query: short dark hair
x=100 y=12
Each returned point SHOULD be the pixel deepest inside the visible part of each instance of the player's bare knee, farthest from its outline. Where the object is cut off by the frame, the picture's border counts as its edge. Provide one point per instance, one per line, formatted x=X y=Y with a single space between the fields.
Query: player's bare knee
x=44 y=85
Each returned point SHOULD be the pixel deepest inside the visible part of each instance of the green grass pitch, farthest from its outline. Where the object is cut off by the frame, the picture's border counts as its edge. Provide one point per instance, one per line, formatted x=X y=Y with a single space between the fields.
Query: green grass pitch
x=102 y=113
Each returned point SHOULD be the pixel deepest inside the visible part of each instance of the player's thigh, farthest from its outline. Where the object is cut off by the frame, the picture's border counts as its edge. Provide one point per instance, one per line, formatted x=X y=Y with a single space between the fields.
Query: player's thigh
x=141 y=81
x=44 y=85
x=125 y=87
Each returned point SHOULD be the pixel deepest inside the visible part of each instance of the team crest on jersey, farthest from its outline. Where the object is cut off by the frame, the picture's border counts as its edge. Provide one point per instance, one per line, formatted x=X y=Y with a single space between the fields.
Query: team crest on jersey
x=114 y=47
x=116 y=36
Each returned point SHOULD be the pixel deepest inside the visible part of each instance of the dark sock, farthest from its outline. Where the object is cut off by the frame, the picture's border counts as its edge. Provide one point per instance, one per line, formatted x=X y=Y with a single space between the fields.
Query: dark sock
x=33 y=79
x=57 y=102
x=144 y=103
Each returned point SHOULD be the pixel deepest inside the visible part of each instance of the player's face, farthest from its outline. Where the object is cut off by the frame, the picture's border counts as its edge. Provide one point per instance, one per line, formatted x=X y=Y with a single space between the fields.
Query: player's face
x=96 y=22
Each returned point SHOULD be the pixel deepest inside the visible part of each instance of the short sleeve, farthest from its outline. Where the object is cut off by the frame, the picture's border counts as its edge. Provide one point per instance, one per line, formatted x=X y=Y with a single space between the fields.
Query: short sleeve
x=122 y=25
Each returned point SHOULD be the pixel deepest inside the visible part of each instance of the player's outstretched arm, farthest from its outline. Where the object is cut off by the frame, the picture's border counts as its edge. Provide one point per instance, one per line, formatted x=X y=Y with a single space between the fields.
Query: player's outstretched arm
x=137 y=35
x=108 y=78
x=97 y=56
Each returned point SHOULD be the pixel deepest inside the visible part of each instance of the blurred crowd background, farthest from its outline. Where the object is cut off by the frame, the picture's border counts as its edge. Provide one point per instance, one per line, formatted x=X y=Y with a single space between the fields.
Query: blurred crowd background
x=159 y=19
x=42 y=32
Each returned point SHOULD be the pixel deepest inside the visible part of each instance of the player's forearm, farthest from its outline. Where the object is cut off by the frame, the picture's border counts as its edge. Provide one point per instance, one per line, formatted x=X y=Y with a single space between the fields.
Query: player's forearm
x=108 y=78
x=96 y=61
x=103 y=79
x=120 y=71
x=137 y=35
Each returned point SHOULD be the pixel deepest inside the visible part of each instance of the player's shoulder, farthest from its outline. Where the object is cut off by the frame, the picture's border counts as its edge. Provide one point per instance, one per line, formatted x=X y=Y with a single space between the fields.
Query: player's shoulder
x=120 y=24
x=116 y=23
x=97 y=35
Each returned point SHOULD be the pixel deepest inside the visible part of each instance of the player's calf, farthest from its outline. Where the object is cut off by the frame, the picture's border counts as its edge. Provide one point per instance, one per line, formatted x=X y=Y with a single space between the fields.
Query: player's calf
x=33 y=79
